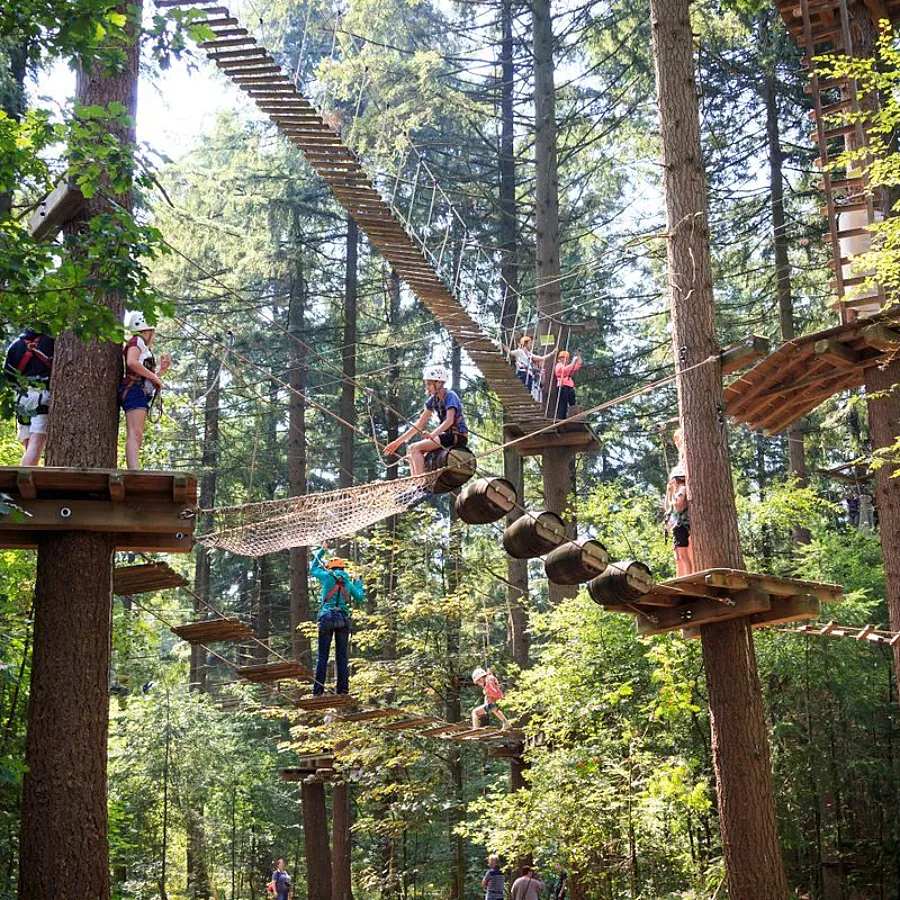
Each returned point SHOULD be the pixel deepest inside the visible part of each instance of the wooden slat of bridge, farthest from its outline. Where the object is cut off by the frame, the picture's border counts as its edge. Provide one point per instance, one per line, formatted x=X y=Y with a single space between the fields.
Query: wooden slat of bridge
x=256 y=73
x=270 y=672
x=209 y=631
x=142 y=579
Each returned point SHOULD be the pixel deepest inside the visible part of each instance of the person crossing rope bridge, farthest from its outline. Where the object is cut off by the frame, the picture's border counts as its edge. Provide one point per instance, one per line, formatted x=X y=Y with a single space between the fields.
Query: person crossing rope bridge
x=452 y=430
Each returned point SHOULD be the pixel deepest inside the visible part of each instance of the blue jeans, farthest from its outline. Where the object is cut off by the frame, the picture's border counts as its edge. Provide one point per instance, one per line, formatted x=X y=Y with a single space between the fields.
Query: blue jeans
x=337 y=624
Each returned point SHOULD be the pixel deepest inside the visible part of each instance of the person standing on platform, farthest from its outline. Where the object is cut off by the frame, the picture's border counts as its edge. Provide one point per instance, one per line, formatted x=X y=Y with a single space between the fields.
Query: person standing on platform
x=142 y=381
x=526 y=361
x=28 y=364
x=493 y=880
x=528 y=886
x=338 y=591
x=566 y=367
x=452 y=430
x=677 y=519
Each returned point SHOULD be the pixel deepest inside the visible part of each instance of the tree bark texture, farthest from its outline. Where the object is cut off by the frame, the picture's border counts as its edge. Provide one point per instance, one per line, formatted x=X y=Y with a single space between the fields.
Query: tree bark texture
x=341 y=885
x=509 y=270
x=348 y=356
x=299 y=556
x=63 y=839
x=559 y=483
x=516 y=570
x=315 y=835
x=740 y=746
x=882 y=391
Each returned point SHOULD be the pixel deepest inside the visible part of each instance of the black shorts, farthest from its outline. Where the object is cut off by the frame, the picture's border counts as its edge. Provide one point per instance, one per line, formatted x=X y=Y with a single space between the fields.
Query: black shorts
x=681 y=535
x=453 y=439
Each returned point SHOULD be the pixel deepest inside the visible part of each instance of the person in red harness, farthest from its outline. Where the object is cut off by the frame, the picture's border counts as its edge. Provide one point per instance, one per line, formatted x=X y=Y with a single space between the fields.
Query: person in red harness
x=28 y=364
x=141 y=382
x=338 y=590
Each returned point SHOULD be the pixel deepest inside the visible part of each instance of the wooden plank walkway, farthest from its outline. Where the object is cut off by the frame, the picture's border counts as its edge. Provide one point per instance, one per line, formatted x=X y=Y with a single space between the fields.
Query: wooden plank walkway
x=252 y=68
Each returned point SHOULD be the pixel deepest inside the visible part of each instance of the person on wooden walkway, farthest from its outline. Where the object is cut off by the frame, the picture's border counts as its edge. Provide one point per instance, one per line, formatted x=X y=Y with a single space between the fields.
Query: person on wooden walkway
x=339 y=590
x=565 y=368
x=677 y=519
x=142 y=382
x=493 y=694
x=451 y=431
x=28 y=365
x=528 y=363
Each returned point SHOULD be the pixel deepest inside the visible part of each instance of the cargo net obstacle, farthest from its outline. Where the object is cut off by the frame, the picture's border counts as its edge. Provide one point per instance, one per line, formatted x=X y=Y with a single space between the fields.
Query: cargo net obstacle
x=256 y=529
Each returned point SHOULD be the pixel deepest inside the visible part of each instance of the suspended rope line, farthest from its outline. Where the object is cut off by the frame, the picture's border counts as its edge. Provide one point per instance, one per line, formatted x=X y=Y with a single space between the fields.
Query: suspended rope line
x=256 y=529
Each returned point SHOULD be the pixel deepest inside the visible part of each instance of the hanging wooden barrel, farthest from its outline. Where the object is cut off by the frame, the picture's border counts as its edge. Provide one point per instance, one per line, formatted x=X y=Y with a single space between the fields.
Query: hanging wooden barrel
x=458 y=464
x=486 y=500
x=621 y=582
x=576 y=562
x=534 y=534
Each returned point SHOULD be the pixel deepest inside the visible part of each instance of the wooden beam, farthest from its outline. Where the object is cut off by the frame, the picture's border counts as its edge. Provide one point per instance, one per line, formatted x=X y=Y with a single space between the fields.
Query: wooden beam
x=742 y=353
x=61 y=205
x=839 y=354
x=881 y=338
x=703 y=612
x=100 y=515
x=788 y=609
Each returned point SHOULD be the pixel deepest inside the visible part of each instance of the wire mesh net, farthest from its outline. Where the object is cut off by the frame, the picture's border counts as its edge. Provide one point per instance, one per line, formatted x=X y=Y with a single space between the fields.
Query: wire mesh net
x=256 y=529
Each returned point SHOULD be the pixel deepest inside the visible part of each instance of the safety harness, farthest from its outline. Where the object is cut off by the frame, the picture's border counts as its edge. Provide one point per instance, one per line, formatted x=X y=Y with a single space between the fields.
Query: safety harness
x=130 y=378
x=339 y=586
x=33 y=350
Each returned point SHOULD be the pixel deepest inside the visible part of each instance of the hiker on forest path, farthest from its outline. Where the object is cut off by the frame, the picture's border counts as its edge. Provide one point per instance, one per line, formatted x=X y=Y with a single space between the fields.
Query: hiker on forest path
x=280 y=885
x=338 y=591
x=493 y=693
x=28 y=364
x=528 y=886
x=452 y=430
x=493 y=880
x=142 y=381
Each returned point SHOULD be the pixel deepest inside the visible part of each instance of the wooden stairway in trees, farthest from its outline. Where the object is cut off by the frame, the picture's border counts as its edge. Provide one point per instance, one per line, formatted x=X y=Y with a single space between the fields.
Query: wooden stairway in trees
x=820 y=27
x=254 y=71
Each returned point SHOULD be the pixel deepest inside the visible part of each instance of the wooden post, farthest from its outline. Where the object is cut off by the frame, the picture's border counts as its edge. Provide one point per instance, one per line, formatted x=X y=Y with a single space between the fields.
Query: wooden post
x=740 y=745
x=341 y=885
x=315 y=834
x=63 y=842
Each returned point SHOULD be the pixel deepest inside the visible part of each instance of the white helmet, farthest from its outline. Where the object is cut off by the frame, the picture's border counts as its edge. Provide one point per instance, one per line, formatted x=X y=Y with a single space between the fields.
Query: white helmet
x=135 y=321
x=478 y=673
x=435 y=373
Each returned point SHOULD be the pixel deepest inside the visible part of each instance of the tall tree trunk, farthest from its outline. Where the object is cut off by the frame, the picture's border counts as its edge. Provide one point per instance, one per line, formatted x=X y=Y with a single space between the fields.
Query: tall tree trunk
x=341 y=886
x=513 y=469
x=796 y=454
x=740 y=745
x=882 y=385
x=348 y=356
x=63 y=843
x=299 y=556
x=266 y=576
x=197 y=874
x=208 y=482
x=558 y=462
x=12 y=96
x=315 y=834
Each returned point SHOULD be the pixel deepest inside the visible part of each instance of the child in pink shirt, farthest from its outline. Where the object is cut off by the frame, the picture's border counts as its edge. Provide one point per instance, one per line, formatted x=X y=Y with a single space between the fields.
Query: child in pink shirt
x=564 y=384
x=487 y=680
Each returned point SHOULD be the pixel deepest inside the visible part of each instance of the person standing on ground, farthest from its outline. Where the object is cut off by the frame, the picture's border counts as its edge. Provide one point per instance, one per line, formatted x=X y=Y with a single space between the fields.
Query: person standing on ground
x=493 y=880
x=28 y=364
x=452 y=430
x=338 y=590
x=566 y=367
x=281 y=883
x=528 y=886
x=141 y=383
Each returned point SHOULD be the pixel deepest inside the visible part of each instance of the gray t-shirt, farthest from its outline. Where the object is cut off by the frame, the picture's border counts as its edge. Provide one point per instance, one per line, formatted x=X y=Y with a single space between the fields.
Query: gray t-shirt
x=493 y=880
x=526 y=888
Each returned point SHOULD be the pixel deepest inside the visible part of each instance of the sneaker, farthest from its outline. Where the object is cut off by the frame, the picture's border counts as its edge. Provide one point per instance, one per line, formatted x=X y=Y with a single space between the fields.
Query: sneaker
x=505 y=726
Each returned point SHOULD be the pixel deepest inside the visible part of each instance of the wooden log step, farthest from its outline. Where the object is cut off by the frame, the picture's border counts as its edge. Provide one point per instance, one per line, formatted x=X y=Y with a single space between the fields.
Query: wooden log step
x=143 y=579
x=850 y=232
x=270 y=672
x=446 y=728
x=249 y=50
x=208 y=631
x=845 y=205
x=834 y=133
x=831 y=109
x=407 y=724
x=366 y=715
x=857 y=185
x=229 y=41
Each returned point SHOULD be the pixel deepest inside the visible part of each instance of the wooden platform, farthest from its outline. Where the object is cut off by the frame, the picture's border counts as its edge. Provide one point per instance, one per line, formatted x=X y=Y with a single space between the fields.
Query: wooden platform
x=805 y=372
x=146 y=510
x=823 y=15
x=716 y=595
x=324 y=701
x=487 y=733
x=271 y=672
x=409 y=723
x=144 y=579
x=209 y=631
x=579 y=437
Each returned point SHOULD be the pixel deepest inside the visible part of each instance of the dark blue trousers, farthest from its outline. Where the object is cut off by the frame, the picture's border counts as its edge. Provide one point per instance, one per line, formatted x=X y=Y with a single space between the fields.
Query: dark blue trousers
x=338 y=626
